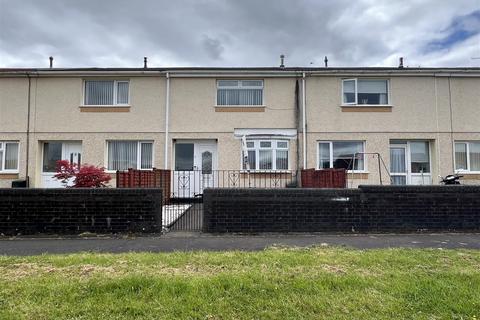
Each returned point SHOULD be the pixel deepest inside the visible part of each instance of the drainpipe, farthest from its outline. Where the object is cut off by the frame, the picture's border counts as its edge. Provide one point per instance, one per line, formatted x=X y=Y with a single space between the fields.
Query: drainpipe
x=28 y=130
x=167 y=112
x=304 y=123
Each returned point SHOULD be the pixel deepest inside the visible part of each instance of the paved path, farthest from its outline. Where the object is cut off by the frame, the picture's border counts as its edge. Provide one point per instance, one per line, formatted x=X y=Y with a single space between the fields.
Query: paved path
x=184 y=242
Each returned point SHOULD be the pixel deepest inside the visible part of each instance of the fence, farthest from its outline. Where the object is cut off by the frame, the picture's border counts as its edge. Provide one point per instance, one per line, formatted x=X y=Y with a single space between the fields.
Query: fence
x=328 y=178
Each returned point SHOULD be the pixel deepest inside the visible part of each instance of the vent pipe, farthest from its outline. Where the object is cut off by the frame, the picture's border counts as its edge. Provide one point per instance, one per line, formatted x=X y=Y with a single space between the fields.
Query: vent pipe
x=326 y=62
x=400 y=63
x=51 y=61
x=282 y=61
x=145 y=62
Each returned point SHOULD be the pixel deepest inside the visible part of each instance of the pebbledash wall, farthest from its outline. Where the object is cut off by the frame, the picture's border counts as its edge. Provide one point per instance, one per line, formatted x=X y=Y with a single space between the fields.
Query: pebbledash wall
x=73 y=211
x=366 y=209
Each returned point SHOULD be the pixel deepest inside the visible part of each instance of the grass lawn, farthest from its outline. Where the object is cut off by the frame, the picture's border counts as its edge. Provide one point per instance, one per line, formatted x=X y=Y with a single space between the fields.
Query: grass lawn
x=278 y=283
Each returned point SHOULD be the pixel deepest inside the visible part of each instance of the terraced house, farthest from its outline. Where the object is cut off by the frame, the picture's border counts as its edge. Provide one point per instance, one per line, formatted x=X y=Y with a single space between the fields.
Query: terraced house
x=420 y=122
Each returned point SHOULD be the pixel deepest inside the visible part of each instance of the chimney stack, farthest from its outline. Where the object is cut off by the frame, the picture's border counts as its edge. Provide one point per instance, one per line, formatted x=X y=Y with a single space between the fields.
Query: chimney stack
x=326 y=62
x=400 y=65
x=282 y=61
x=51 y=61
x=145 y=62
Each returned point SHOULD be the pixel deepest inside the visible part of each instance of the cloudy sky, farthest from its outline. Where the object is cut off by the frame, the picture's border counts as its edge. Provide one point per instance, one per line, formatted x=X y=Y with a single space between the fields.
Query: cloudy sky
x=239 y=32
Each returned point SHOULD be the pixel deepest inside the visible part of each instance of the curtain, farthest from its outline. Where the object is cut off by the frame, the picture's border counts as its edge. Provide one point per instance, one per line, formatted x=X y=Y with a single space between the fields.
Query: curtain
x=419 y=155
x=397 y=160
x=348 y=91
x=146 y=155
x=122 y=92
x=474 y=156
x=239 y=97
x=122 y=155
x=265 y=159
x=372 y=91
x=282 y=160
x=324 y=155
x=11 y=156
x=461 y=156
x=99 y=92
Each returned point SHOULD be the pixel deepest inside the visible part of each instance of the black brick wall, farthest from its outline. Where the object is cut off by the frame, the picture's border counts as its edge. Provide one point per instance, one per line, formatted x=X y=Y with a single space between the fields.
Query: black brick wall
x=72 y=211
x=367 y=209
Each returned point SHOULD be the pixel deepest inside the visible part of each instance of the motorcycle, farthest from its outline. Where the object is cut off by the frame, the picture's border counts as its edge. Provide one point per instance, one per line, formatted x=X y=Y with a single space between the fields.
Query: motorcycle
x=451 y=179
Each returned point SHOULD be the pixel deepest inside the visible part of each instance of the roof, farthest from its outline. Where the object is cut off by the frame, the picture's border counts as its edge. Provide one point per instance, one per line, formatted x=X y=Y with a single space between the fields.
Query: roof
x=237 y=70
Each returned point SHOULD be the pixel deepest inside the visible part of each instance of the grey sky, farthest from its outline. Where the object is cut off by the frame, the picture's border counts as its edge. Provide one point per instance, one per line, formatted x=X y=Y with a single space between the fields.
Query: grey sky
x=107 y=33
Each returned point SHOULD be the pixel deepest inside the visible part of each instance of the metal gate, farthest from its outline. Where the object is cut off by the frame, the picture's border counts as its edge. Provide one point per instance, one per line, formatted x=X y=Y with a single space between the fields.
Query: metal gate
x=183 y=190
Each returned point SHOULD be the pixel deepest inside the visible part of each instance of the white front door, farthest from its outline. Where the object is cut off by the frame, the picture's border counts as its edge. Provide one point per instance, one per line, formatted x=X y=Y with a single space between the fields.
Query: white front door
x=195 y=164
x=410 y=163
x=54 y=151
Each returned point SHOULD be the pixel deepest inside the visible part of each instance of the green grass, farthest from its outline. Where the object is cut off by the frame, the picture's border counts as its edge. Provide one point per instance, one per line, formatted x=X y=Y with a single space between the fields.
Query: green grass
x=278 y=283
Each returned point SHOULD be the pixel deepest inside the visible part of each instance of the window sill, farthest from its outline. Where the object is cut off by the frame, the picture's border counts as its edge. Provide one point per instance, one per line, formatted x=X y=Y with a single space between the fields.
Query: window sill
x=122 y=108
x=366 y=108
x=239 y=108
x=8 y=175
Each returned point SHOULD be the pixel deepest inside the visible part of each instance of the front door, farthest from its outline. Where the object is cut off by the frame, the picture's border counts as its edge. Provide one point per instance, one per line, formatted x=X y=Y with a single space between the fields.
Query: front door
x=54 y=151
x=195 y=164
x=410 y=163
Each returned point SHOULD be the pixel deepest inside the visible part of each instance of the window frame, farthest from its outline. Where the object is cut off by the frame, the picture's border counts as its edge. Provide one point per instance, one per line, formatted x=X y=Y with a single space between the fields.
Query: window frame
x=356 y=104
x=468 y=170
x=115 y=93
x=330 y=145
x=139 y=155
x=3 y=148
x=239 y=105
x=274 y=147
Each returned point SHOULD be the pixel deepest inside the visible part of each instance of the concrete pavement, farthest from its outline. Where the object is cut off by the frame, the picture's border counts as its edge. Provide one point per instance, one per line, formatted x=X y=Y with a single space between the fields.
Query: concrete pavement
x=177 y=241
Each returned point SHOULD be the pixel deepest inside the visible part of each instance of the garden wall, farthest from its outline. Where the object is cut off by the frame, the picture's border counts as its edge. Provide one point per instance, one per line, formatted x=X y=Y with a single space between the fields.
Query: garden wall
x=366 y=209
x=73 y=211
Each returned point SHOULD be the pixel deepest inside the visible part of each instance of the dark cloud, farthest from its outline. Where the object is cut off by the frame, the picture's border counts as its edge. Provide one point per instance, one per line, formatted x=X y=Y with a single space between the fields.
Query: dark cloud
x=230 y=32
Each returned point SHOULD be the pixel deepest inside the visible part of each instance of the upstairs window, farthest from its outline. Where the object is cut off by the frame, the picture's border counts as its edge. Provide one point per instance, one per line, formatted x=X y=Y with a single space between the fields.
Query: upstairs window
x=8 y=156
x=267 y=155
x=467 y=156
x=106 y=92
x=240 y=92
x=365 y=92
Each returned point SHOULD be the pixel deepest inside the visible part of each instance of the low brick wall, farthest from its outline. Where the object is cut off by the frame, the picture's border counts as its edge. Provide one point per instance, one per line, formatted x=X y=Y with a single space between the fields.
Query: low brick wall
x=73 y=211
x=366 y=209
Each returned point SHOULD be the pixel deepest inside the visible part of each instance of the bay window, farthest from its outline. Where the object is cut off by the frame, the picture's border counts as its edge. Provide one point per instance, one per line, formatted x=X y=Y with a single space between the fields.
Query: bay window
x=123 y=155
x=239 y=92
x=9 y=153
x=106 y=92
x=467 y=156
x=267 y=155
x=365 y=92
x=341 y=154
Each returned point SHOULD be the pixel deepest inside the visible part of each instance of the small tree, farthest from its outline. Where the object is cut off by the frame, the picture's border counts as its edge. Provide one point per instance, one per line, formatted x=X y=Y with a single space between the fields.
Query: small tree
x=85 y=176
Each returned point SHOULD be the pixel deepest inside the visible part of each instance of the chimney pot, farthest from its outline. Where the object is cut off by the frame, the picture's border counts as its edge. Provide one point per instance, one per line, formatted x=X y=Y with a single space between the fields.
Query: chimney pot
x=400 y=64
x=326 y=62
x=51 y=61
x=145 y=62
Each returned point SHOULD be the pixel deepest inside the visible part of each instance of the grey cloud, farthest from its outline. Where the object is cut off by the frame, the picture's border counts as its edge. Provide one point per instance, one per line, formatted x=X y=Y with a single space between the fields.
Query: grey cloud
x=225 y=32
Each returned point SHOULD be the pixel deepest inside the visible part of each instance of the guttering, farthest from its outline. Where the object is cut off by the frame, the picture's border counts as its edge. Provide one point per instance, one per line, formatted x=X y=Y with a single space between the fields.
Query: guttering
x=304 y=123
x=167 y=114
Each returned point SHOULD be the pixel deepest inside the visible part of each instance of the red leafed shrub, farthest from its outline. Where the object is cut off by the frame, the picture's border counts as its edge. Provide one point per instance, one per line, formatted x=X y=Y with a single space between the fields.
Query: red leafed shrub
x=85 y=176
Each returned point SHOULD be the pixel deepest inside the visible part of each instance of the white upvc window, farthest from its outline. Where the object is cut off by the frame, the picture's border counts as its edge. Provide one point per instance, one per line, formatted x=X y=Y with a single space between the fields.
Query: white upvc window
x=9 y=155
x=125 y=154
x=106 y=93
x=467 y=156
x=267 y=155
x=365 y=92
x=239 y=93
x=341 y=154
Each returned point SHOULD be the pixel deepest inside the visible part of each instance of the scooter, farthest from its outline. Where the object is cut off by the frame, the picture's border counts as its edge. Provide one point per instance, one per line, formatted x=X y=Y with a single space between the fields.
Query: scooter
x=451 y=179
